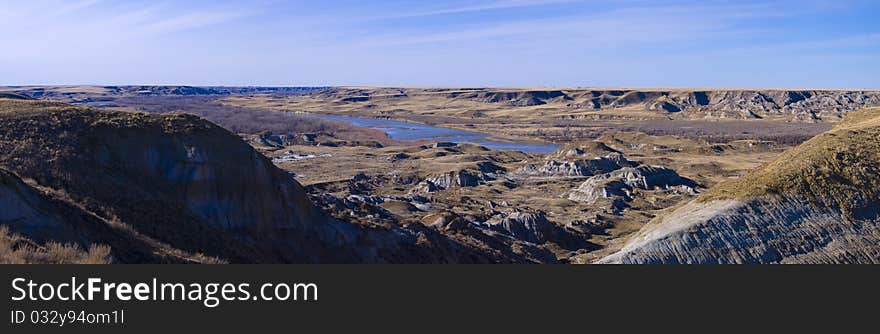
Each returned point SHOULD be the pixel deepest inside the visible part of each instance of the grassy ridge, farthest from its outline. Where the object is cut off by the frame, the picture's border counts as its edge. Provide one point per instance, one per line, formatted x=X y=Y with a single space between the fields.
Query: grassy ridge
x=838 y=169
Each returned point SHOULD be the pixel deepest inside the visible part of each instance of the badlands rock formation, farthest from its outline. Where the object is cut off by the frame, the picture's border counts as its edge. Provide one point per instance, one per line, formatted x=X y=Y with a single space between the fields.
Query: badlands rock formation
x=582 y=159
x=801 y=105
x=535 y=228
x=817 y=203
x=620 y=183
x=480 y=173
x=187 y=186
x=458 y=178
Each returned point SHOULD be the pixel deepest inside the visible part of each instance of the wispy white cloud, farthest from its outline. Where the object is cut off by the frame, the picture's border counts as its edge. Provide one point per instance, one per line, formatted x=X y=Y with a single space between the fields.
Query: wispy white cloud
x=645 y=23
x=627 y=42
x=68 y=7
x=106 y=18
x=39 y=9
x=192 y=21
x=496 y=5
x=855 y=41
x=85 y=31
x=357 y=16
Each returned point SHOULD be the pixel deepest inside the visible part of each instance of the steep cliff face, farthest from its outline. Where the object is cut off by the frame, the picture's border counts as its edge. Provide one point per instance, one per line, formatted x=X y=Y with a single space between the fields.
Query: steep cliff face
x=817 y=203
x=514 y=98
x=754 y=231
x=41 y=227
x=30 y=212
x=802 y=105
x=190 y=184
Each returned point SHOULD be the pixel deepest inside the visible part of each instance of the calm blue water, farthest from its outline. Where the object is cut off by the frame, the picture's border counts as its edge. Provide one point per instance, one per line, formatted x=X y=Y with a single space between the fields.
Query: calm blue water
x=410 y=131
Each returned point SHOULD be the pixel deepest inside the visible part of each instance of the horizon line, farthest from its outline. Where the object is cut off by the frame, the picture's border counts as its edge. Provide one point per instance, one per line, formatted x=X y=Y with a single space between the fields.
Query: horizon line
x=538 y=87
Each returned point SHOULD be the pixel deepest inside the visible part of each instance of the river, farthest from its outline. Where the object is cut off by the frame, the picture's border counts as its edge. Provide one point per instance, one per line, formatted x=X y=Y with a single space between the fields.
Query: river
x=412 y=131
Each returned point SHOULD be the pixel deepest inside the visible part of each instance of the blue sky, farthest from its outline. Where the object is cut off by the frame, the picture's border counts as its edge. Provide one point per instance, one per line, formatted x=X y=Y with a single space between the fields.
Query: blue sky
x=633 y=43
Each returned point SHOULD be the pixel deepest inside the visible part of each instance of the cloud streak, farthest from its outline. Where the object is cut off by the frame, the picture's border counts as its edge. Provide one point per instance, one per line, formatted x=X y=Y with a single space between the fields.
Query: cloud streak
x=618 y=27
x=497 y=5
x=192 y=21
x=98 y=18
x=489 y=42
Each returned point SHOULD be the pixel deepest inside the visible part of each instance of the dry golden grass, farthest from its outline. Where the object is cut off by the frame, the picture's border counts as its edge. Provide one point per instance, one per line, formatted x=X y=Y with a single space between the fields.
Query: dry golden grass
x=838 y=169
x=16 y=105
x=15 y=249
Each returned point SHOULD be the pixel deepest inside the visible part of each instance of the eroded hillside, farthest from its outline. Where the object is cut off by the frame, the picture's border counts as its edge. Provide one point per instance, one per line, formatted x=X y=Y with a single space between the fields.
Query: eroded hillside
x=181 y=189
x=816 y=203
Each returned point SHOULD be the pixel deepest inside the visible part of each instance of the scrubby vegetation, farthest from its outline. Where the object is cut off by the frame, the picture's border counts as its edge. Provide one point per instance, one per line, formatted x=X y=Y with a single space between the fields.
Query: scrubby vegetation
x=836 y=169
x=15 y=105
x=16 y=249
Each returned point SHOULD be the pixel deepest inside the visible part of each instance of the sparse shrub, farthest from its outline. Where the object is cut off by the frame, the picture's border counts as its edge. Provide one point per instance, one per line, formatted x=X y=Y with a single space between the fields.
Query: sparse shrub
x=16 y=249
